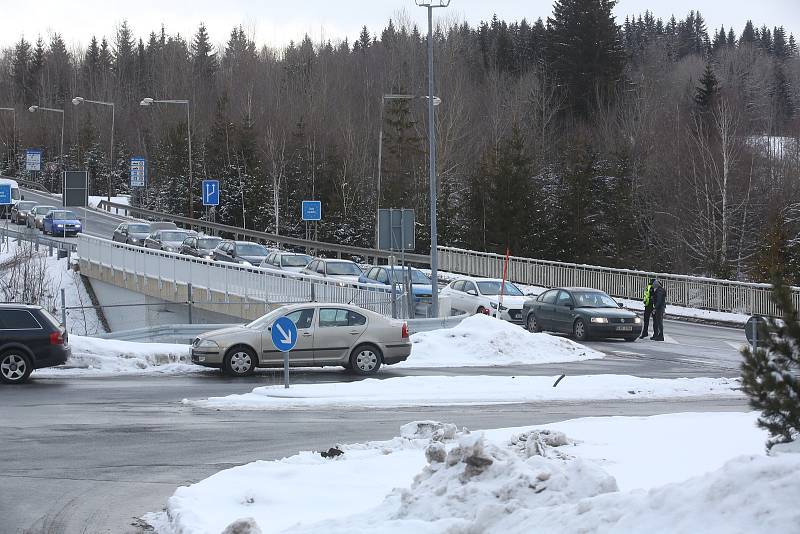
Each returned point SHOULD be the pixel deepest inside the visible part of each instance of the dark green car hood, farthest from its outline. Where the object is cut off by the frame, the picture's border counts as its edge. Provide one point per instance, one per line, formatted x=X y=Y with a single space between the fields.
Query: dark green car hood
x=611 y=313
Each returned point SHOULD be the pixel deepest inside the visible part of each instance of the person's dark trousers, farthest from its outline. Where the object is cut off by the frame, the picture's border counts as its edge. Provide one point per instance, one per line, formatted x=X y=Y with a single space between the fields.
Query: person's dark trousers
x=648 y=310
x=658 y=325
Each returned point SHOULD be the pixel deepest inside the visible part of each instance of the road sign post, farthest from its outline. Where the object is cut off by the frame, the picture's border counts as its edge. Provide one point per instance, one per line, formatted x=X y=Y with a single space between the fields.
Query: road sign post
x=210 y=192
x=284 y=337
x=5 y=201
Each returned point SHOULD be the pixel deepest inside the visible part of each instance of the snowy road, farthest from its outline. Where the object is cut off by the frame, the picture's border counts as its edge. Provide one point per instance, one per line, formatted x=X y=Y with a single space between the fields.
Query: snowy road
x=98 y=452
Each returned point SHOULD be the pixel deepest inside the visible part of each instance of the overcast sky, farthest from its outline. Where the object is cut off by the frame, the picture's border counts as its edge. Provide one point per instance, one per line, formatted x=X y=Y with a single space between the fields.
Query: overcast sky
x=277 y=22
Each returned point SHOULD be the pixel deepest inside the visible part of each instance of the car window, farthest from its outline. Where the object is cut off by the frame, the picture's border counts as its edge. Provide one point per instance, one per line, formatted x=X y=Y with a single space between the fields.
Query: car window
x=469 y=285
x=18 y=320
x=311 y=266
x=493 y=288
x=293 y=260
x=355 y=319
x=383 y=278
x=343 y=268
x=329 y=317
x=302 y=318
x=122 y=227
x=250 y=249
x=549 y=297
x=458 y=286
x=173 y=236
x=564 y=299
x=138 y=228
x=321 y=267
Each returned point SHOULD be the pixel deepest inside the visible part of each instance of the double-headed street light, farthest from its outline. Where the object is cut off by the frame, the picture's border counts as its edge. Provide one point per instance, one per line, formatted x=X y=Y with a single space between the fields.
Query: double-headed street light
x=34 y=109
x=77 y=101
x=148 y=102
x=13 y=133
x=436 y=102
x=431 y=5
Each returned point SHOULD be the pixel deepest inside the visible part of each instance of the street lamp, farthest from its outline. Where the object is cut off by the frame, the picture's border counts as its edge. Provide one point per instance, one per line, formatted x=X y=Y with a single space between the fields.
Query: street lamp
x=436 y=102
x=431 y=5
x=148 y=102
x=77 y=101
x=34 y=109
x=13 y=133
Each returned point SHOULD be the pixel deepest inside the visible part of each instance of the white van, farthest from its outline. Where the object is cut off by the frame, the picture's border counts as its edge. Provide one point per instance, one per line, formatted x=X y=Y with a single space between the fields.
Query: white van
x=15 y=196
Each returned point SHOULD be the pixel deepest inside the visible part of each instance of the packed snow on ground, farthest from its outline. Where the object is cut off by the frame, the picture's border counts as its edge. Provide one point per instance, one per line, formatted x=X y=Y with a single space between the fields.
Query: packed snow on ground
x=696 y=472
x=102 y=357
x=469 y=390
x=55 y=275
x=480 y=340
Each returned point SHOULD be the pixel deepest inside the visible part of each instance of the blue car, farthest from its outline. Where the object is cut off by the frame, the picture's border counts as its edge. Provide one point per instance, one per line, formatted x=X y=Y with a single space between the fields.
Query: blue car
x=61 y=223
x=421 y=284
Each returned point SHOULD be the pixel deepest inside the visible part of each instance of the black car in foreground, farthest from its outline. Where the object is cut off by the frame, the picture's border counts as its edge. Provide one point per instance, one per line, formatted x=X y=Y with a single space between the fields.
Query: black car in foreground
x=30 y=338
x=582 y=312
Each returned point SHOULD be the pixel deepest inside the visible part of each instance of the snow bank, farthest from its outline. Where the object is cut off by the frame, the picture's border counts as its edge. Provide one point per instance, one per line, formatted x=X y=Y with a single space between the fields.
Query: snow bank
x=466 y=390
x=95 y=356
x=481 y=340
x=511 y=480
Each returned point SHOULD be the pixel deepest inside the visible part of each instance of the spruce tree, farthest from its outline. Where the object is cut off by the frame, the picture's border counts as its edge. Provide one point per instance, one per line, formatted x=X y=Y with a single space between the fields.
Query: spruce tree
x=771 y=372
x=707 y=90
x=585 y=50
x=748 y=34
x=20 y=74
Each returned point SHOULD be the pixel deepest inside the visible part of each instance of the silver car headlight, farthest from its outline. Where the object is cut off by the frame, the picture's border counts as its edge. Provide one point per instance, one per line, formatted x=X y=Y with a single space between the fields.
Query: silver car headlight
x=134 y=241
x=599 y=320
x=169 y=249
x=246 y=263
x=637 y=320
x=206 y=344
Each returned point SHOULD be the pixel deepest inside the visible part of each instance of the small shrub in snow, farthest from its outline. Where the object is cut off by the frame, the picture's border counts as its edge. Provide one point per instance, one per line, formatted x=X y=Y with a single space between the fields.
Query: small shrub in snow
x=246 y=525
x=433 y=430
x=435 y=453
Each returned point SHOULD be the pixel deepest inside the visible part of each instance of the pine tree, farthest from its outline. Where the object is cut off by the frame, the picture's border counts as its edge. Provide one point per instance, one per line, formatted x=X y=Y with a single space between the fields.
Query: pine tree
x=780 y=48
x=36 y=71
x=771 y=373
x=748 y=34
x=792 y=46
x=731 y=41
x=585 y=50
x=204 y=60
x=707 y=90
x=20 y=72
x=720 y=41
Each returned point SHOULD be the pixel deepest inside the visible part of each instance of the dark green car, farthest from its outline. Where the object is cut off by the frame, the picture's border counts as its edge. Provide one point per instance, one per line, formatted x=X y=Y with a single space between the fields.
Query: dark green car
x=582 y=312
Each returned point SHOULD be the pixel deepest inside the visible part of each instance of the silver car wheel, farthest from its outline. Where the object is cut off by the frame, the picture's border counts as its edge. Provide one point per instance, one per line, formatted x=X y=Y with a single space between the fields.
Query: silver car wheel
x=13 y=367
x=580 y=330
x=366 y=360
x=241 y=362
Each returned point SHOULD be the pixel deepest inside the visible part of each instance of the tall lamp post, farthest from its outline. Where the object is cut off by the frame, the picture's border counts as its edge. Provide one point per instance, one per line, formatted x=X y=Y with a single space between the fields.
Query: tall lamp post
x=431 y=5
x=148 y=102
x=436 y=102
x=77 y=101
x=34 y=109
x=13 y=132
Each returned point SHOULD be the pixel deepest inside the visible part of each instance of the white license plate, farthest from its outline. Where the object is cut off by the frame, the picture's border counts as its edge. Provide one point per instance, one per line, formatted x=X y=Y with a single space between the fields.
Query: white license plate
x=624 y=329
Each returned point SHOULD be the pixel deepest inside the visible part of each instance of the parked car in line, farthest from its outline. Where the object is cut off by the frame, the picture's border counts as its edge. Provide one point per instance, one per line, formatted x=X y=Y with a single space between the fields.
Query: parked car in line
x=19 y=213
x=200 y=246
x=36 y=215
x=328 y=335
x=162 y=225
x=287 y=261
x=61 y=223
x=482 y=295
x=582 y=312
x=131 y=233
x=382 y=274
x=166 y=240
x=242 y=252
x=344 y=270
x=30 y=338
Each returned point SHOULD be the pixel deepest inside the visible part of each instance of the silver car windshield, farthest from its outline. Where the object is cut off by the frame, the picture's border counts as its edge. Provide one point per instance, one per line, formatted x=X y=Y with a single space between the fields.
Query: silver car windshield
x=250 y=249
x=343 y=268
x=493 y=288
x=138 y=228
x=295 y=261
x=174 y=236
x=208 y=242
x=417 y=277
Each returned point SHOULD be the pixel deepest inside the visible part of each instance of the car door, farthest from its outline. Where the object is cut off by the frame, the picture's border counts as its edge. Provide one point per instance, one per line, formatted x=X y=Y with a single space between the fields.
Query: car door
x=303 y=352
x=338 y=331
x=563 y=312
x=119 y=233
x=543 y=308
x=469 y=298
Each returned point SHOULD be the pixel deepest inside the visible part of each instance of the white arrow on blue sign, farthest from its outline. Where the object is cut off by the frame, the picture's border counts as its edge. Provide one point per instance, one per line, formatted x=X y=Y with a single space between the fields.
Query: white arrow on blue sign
x=210 y=192
x=284 y=334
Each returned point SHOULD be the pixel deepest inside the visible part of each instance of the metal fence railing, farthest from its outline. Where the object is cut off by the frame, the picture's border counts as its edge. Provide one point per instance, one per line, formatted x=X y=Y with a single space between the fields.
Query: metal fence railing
x=236 y=282
x=688 y=291
x=34 y=236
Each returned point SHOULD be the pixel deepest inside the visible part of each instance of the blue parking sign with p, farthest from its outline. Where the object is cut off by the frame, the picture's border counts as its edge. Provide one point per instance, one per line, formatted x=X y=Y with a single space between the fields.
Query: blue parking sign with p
x=210 y=192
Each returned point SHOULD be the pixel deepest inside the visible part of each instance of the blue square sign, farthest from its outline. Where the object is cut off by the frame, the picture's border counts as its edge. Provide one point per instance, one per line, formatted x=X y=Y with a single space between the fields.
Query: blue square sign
x=210 y=192
x=5 y=194
x=312 y=210
x=138 y=172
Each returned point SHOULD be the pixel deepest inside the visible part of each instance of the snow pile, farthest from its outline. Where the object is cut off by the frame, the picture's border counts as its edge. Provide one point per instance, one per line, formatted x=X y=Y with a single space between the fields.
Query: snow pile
x=509 y=481
x=95 y=356
x=468 y=390
x=480 y=340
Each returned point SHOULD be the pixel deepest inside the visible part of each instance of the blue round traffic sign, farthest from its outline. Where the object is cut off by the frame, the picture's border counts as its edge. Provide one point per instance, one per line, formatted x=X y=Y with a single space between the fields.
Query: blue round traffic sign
x=284 y=334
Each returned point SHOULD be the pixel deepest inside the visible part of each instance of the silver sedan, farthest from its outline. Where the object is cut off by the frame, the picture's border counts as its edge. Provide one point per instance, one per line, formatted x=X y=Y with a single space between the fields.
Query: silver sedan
x=328 y=335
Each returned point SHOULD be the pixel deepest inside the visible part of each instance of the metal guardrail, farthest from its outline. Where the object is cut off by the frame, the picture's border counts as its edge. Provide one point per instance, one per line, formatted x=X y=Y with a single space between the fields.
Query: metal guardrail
x=185 y=333
x=307 y=245
x=36 y=238
x=682 y=290
x=246 y=284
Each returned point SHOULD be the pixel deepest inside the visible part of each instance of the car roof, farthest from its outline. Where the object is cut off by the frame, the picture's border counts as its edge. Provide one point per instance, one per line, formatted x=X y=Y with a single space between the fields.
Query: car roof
x=335 y=260
x=577 y=288
x=248 y=243
x=18 y=306
x=353 y=307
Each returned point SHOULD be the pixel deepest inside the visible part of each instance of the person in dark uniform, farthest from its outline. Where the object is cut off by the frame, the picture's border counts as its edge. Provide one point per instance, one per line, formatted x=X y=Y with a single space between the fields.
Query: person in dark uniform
x=659 y=305
x=647 y=300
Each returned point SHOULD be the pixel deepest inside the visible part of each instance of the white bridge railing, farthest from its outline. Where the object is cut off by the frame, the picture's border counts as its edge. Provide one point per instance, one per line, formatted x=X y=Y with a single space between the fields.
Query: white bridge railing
x=688 y=291
x=251 y=284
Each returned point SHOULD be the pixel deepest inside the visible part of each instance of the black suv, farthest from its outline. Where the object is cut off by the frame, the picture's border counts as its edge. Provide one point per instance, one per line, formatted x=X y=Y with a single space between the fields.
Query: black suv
x=30 y=338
